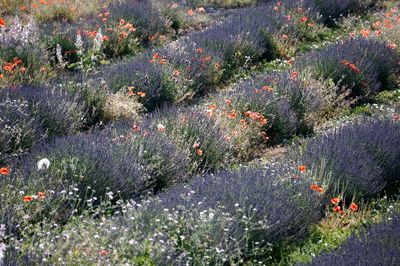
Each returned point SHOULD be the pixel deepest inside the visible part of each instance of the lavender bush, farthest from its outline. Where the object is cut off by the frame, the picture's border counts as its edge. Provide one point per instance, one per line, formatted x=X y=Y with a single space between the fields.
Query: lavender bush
x=364 y=65
x=30 y=113
x=377 y=245
x=194 y=132
x=362 y=157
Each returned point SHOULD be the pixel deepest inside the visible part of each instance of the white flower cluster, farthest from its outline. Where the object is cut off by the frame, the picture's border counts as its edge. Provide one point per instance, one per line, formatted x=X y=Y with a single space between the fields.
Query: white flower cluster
x=18 y=34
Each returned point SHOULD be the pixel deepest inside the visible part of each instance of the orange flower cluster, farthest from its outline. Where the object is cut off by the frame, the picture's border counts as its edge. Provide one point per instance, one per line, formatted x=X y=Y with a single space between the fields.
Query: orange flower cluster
x=131 y=92
x=126 y=28
x=9 y=67
x=257 y=117
x=104 y=16
x=199 y=151
x=353 y=67
x=317 y=188
x=190 y=12
x=40 y=195
x=157 y=57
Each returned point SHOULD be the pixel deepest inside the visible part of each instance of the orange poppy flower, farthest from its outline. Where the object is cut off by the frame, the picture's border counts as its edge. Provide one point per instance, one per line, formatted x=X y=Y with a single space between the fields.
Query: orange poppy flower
x=314 y=186
x=302 y=168
x=103 y=252
x=2 y=22
x=320 y=189
x=4 y=171
x=190 y=12
x=41 y=195
x=1 y=76
x=163 y=61
x=156 y=56
x=212 y=106
x=304 y=19
x=232 y=115
x=337 y=209
x=176 y=72
x=27 y=198
x=354 y=207
x=199 y=50
x=141 y=94
x=365 y=33
x=294 y=75
x=196 y=145
x=199 y=152
x=335 y=201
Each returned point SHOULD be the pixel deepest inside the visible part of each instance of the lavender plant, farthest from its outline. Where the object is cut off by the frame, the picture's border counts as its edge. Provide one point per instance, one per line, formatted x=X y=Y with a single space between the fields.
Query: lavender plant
x=364 y=65
x=376 y=245
x=194 y=132
x=362 y=157
x=30 y=113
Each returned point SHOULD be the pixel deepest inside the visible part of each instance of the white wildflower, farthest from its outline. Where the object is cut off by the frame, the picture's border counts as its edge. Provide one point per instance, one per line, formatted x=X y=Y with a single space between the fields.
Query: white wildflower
x=98 y=41
x=43 y=164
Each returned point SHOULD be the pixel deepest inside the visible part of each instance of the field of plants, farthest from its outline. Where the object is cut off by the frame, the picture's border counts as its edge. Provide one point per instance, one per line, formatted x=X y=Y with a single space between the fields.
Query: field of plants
x=200 y=132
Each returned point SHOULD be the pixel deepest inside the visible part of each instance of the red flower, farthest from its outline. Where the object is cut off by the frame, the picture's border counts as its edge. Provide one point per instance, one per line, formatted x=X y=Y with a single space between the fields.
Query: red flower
x=392 y=46
x=4 y=171
x=135 y=128
x=199 y=50
x=294 y=75
x=302 y=168
x=354 y=207
x=103 y=252
x=2 y=23
x=337 y=209
x=196 y=145
x=335 y=201
x=304 y=19
x=27 y=198
x=141 y=94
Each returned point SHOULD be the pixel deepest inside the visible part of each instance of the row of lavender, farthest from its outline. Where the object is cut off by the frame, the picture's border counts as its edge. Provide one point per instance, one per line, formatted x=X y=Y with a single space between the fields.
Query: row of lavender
x=250 y=214
x=377 y=245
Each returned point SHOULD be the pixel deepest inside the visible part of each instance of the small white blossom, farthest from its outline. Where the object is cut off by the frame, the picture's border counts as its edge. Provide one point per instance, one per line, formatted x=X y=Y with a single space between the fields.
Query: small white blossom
x=43 y=164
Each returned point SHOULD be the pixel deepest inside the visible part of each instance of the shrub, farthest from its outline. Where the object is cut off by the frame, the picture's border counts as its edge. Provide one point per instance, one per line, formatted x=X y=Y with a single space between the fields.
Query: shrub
x=146 y=19
x=90 y=167
x=377 y=245
x=193 y=132
x=363 y=65
x=19 y=129
x=144 y=76
x=38 y=112
x=361 y=156
x=22 y=59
